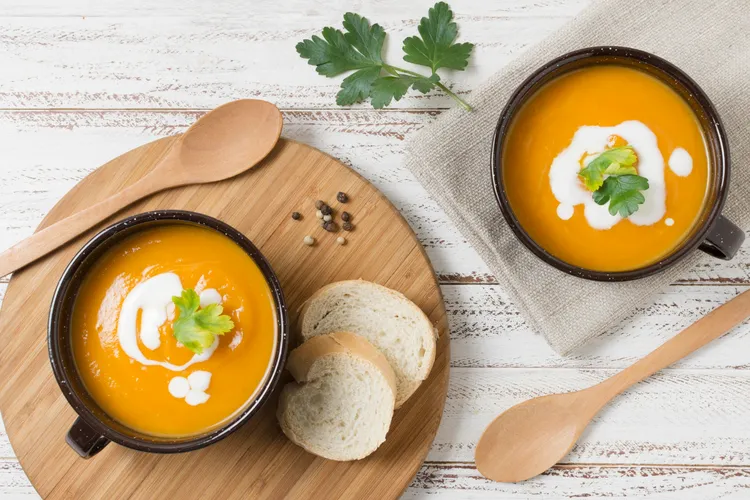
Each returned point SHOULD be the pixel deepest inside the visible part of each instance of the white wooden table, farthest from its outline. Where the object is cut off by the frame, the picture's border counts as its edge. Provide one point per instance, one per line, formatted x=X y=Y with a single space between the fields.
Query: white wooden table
x=82 y=81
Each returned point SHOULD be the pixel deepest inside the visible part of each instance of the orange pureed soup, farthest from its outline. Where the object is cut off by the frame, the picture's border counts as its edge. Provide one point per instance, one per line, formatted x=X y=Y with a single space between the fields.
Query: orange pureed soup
x=577 y=116
x=123 y=330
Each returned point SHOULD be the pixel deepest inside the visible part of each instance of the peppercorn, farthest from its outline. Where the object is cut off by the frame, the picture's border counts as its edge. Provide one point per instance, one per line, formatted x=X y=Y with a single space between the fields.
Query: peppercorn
x=318 y=214
x=326 y=210
x=319 y=204
x=346 y=216
x=309 y=241
x=327 y=218
x=342 y=197
x=330 y=226
x=341 y=240
x=296 y=215
x=348 y=226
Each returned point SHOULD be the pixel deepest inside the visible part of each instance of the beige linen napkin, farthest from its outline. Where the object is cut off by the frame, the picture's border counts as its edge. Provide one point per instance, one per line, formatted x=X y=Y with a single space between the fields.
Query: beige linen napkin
x=709 y=40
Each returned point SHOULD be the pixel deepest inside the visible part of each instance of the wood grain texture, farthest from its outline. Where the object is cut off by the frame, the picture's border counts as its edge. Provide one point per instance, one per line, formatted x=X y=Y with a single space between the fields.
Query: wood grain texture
x=195 y=56
x=117 y=59
x=533 y=435
x=679 y=416
x=269 y=10
x=246 y=464
x=487 y=331
x=222 y=143
x=453 y=481
x=663 y=420
x=462 y=481
x=370 y=142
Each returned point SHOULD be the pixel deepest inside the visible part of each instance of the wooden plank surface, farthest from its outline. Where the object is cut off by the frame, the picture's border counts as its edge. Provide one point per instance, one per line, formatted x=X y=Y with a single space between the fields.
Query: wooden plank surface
x=120 y=73
x=383 y=249
x=371 y=142
x=190 y=55
x=450 y=481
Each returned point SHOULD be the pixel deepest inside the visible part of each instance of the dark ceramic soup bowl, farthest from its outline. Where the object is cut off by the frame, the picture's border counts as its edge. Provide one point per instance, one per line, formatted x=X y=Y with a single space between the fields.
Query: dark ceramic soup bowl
x=712 y=233
x=94 y=429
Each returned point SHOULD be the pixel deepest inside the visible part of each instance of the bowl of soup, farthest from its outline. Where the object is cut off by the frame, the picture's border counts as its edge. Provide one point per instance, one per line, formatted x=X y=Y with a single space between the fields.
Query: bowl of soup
x=610 y=163
x=167 y=331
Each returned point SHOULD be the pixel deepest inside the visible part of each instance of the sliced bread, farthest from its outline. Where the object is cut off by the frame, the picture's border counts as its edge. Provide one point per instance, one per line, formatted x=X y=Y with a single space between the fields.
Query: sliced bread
x=342 y=404
x=386 y=318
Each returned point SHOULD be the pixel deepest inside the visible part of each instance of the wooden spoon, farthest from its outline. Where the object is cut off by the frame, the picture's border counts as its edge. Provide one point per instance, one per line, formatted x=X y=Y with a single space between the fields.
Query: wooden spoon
x=221 y=144
x=532 y=436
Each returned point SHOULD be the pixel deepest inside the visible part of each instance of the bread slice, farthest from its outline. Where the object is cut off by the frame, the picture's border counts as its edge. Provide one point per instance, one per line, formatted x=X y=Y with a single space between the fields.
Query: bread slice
x=342 y=404
x=390 y=321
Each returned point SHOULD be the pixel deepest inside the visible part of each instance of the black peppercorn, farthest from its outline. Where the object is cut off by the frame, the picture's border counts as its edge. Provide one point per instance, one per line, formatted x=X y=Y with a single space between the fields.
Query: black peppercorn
x=346 y=216
x=319 y=204
x=296 y=215
x=331 y=227
x=326 y=210
x=342 y=197
x=348 y=226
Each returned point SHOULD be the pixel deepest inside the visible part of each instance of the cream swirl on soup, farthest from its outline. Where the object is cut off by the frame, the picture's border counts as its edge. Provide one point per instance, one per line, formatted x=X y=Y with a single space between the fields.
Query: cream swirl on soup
x=587 y=143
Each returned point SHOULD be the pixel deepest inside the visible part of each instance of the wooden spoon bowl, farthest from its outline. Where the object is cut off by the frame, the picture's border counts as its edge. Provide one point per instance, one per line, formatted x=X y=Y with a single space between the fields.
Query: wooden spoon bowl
x=221 y=144
x=225 y=142
x=532 y=436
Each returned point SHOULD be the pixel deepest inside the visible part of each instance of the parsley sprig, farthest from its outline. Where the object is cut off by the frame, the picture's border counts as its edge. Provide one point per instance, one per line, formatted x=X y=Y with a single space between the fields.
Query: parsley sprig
x=623 y=192
x=622 y=187
x=359 y=49
x=197 y=328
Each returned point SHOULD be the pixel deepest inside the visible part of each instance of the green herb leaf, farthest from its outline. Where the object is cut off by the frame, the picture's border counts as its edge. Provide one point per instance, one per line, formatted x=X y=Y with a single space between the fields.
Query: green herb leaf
x=197 y=328
x=620 y=169
x=367 y=40
x=357 y=86
x=386 y=88
x=423 y=84
x=435 y=49
x=359 y=49
x=615 y=161
x=623 y=192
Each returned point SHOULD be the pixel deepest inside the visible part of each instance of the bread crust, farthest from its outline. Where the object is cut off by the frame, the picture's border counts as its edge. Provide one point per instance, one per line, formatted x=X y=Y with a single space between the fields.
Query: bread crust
x=303 y=357
x=408 y=387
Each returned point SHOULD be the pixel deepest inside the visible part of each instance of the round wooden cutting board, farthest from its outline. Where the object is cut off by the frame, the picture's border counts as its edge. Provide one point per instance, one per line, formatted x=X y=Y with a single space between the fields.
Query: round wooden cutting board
x=257 y=461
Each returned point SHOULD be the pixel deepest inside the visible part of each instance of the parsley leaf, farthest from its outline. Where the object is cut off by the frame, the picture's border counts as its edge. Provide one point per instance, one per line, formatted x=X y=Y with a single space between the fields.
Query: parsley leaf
x=436 y=48
x=423 y=84
x=623 y=192
x=357 y=86
x=196 y=328
x=367 y=40
x=615 y=161
x=334 y=53
x=359 y=49
x=386 y=88
x=622 y=187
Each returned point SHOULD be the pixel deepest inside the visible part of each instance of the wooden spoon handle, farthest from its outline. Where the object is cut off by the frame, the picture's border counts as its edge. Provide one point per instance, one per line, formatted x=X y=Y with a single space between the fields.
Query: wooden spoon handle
x=712 y=326
x=52 y=237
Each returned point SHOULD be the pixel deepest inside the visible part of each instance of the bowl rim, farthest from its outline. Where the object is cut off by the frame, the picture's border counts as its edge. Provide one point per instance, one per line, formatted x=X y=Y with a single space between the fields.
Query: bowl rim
x=721 y=172
x=165 y=445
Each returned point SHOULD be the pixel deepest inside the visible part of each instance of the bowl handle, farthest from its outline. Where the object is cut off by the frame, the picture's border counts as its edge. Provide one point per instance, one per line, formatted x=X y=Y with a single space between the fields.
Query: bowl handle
x=723 y=240
x=85 y=440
